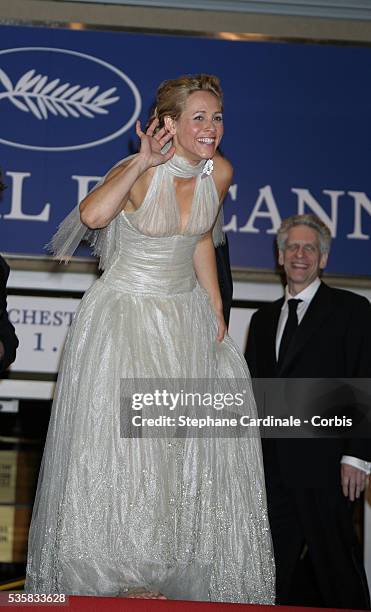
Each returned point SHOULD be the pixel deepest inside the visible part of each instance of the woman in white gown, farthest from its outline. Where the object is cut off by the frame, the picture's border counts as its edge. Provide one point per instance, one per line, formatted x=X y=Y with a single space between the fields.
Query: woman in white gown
x=186 y=518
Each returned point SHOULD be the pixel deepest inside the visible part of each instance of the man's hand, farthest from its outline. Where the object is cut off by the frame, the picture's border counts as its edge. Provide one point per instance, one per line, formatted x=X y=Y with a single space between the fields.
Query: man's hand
x=353 y=481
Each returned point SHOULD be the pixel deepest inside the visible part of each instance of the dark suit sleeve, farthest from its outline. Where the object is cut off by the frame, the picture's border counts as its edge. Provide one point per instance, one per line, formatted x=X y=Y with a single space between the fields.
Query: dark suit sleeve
x=357 y=350
x=224 y=278
x=251 y=347
x=358 y=341
x=358 y=356
x=7 y=332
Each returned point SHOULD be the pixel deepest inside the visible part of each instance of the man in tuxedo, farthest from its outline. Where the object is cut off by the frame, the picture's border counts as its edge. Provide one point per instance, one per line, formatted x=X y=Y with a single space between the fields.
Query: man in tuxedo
x=8 y=339
x=314 y=331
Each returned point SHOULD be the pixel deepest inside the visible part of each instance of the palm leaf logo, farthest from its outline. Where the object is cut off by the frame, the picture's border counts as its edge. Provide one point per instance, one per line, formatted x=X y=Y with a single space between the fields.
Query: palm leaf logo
x=37 y=94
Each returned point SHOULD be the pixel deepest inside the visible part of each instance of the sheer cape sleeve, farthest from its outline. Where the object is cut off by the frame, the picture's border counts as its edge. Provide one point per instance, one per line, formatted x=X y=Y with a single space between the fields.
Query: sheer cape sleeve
x=72 y=231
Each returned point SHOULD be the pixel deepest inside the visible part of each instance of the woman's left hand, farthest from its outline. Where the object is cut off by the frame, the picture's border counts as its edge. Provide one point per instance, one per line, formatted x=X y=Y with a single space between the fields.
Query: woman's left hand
x=222 y=328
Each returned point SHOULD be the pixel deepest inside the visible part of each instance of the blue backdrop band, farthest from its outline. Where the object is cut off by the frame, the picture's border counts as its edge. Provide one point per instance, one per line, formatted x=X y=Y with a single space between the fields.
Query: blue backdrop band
x=297 y=119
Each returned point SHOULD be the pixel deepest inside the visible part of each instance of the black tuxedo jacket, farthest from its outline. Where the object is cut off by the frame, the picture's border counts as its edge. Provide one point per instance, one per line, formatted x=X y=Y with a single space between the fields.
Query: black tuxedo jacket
x=7 y=331
x=333 y=341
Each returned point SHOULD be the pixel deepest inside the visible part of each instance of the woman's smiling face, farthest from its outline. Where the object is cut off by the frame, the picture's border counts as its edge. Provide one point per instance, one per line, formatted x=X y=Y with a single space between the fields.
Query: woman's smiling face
x=199 y=129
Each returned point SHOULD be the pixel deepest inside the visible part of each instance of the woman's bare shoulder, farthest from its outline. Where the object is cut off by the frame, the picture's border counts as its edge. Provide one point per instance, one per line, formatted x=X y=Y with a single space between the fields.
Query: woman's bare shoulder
x=223 y=174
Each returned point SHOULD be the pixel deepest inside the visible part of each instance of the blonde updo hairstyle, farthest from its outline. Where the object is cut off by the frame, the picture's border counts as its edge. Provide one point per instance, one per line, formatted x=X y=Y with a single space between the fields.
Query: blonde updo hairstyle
x=172 y=95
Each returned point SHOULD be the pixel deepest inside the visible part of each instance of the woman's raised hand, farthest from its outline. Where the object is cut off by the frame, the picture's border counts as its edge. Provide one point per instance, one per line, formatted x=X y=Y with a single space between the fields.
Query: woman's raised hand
x=151 y=144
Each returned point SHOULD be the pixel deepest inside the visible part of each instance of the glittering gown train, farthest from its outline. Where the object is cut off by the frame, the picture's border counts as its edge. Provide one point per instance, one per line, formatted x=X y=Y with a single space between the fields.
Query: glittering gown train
x=186 y=518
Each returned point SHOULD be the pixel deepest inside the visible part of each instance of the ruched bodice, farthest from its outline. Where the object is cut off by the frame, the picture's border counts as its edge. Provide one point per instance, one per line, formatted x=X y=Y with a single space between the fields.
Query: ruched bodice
x=151 y=264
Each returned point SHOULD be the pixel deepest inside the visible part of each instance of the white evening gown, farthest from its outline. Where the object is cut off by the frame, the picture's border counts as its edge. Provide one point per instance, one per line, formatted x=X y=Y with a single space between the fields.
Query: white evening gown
x=188 y=517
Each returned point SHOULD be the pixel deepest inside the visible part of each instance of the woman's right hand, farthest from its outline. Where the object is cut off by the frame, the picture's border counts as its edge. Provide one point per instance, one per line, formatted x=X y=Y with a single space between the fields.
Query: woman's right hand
x=151 y=145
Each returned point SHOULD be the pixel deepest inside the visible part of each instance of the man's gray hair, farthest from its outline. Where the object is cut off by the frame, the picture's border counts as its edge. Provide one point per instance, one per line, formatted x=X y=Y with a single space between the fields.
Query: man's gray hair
x=324 y=234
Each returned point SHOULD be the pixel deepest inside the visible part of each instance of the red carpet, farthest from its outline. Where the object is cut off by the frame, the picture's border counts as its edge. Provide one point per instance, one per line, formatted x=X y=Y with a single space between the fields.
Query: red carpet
x=103 y=604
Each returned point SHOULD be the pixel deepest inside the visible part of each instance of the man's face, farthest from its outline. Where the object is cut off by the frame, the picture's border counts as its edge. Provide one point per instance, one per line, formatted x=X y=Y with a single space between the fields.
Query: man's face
x=301 y=258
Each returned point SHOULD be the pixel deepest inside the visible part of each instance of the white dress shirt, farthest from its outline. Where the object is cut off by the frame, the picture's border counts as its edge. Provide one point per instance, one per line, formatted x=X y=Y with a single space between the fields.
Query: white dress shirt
x=306 y=296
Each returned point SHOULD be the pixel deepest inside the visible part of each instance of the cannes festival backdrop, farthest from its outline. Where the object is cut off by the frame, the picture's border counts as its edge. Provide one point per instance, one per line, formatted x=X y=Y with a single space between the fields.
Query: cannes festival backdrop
x=297 y=131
